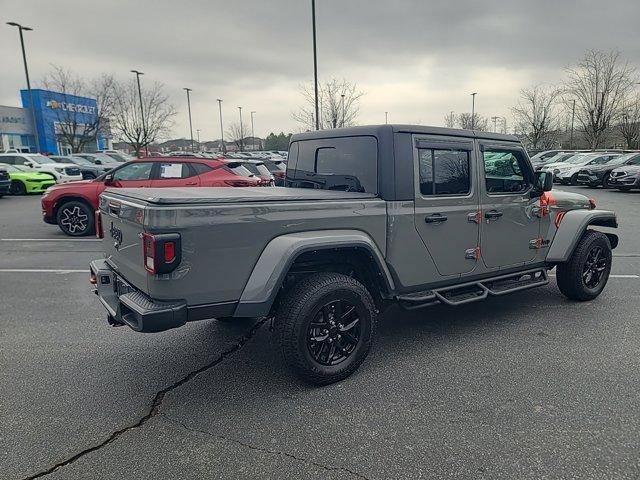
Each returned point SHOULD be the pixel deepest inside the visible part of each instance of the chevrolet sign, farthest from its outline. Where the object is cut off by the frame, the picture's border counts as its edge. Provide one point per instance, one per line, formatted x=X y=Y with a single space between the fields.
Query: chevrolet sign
x=71 y=107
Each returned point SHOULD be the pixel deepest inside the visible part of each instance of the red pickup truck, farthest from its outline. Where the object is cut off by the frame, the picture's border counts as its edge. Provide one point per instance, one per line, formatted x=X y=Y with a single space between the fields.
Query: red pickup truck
x=72 y=205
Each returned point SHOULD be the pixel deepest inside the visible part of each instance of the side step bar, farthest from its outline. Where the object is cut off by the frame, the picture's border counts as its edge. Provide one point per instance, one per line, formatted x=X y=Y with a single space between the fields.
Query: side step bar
x=473 y=291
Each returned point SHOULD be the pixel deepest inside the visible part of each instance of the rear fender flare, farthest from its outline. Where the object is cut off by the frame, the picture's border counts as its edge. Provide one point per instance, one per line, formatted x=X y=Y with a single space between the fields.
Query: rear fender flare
x=273 y=264
x=573 y=226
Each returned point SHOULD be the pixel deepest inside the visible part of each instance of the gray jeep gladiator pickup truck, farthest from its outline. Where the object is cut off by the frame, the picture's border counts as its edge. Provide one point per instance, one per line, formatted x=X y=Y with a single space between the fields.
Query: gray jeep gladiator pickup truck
x=368 y=216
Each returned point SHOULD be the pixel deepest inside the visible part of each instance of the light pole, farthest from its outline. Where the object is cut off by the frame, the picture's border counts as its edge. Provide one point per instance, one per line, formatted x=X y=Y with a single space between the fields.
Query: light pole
x=144 y=125
x=342 y=102
x=473 y=109
x=241 y=132
x=573 y=117
x=189 y=109
x=386 y=117
x=198 y=137
x=253 y=135
x=315 y=62
x=495 y=123
x=224 y=149
x=26 y=73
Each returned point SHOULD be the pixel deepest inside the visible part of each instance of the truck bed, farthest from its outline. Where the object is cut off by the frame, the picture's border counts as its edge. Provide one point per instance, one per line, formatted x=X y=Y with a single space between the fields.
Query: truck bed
x=211 y=195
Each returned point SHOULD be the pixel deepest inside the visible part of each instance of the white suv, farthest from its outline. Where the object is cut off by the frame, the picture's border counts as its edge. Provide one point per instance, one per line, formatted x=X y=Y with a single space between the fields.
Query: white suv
x=61 y=172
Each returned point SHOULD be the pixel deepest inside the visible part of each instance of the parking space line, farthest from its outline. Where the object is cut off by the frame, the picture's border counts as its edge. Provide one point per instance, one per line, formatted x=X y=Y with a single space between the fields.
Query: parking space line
x=42 y=270
x=50 y=240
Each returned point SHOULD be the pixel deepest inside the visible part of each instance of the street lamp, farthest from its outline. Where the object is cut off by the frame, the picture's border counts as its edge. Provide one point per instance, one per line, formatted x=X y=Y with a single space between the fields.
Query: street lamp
x=189 y=108
x=224 y=150
x=253 y=135
x=144 y=125
x=573 y=117
x=198 y=137
x=22 y=28
x=342 y=102
x=315 y=63
x=241 y=132
x=473 y=109
x=386 y=117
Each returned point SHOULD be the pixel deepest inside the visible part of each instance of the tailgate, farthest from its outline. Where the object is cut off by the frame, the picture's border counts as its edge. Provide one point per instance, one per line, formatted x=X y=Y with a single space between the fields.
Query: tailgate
x=122 y=225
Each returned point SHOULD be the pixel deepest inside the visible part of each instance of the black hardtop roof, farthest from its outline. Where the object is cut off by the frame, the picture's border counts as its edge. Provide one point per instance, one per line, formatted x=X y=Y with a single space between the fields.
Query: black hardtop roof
x=378 y=130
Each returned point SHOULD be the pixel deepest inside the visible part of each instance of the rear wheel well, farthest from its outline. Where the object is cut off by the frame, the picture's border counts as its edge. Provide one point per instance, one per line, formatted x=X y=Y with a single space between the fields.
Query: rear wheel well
x=356 y=262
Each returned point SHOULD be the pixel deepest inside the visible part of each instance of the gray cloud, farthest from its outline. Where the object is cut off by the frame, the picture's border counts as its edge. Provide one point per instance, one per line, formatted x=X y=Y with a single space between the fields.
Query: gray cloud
x=416 y=59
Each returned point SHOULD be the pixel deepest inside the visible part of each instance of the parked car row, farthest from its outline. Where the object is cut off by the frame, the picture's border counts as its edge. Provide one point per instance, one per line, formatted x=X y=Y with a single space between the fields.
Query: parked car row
x=594 y=169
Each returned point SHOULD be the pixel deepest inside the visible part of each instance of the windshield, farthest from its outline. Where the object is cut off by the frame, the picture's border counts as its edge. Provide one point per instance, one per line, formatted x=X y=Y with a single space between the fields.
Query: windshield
x=601 y=160
x=40 y=159
x=577 y=159
x=623 y=158
x=61 y=159
x=78 y=161
x=118 y=157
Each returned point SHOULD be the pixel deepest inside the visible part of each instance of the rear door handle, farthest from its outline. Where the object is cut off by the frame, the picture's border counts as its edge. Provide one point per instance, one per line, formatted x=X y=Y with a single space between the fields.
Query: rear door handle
x=435 y=218
x=492 y=214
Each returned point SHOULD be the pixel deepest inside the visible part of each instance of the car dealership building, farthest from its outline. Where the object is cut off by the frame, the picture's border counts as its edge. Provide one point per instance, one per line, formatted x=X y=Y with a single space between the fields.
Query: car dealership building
x=57 y=117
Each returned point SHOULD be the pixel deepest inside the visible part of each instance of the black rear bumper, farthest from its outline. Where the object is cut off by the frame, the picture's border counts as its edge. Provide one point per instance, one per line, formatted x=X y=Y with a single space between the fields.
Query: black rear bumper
x=128 y=306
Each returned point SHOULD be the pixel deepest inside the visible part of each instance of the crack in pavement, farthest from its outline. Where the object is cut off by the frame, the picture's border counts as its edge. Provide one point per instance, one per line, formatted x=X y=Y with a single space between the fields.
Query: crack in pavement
x=155 y=404
x=263 y=449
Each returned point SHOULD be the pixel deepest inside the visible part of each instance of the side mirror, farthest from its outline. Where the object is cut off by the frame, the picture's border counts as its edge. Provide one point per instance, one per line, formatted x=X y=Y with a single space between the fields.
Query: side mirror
x=544 y=183
x=108 y=180
x=98 y=162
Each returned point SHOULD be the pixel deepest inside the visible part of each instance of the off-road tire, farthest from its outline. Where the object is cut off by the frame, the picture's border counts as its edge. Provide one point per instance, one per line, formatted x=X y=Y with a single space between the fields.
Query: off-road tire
x=569 y=275
x=18 y=188
x=81 y=213
x=605 y=180
x=573 y=180
x=298 y=309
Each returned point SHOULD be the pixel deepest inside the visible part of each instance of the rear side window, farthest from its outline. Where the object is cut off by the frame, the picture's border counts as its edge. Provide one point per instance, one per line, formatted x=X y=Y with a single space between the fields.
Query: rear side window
x=134 y=171
x=201 y=168
x=346 y=164
x=444 y=172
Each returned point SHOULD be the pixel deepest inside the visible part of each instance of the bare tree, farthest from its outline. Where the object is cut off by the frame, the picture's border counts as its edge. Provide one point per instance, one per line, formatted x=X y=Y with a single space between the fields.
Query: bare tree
x=126 y=118
x=599 y=83
x=479 y=122
x=536 y=116
x=236 y=135
x=339 y=104
x=77 y=124
x=450 y=120
x=629 y=125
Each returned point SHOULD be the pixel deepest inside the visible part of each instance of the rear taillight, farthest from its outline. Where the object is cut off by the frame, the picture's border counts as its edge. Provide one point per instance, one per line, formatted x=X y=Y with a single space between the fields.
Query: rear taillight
x=98 y=223
x=162 y=252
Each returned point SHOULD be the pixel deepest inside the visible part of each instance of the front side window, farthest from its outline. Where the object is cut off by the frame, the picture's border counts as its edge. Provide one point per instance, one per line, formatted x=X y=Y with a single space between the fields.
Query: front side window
x=505 y=173
x=444 y=172
x=134 y=171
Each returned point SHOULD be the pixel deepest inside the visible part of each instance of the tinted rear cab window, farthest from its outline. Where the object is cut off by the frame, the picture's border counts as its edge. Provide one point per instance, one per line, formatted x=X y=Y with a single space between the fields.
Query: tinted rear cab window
x=348 y=164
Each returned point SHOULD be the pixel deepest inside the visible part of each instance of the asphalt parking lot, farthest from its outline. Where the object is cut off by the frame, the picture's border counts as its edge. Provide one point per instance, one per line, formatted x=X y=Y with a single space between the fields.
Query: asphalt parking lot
x=525 y=386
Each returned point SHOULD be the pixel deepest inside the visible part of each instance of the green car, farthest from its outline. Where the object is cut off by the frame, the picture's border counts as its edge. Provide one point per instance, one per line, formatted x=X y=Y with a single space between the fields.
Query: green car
x=24 y=180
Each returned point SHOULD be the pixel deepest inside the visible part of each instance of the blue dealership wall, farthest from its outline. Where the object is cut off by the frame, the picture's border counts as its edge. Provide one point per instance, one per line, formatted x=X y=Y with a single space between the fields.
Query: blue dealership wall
x=52 y=107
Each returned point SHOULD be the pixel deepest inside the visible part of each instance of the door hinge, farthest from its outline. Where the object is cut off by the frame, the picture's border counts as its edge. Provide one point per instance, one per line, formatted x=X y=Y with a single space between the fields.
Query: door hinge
x=472 y=253
x=475 y=217
x=538 y=243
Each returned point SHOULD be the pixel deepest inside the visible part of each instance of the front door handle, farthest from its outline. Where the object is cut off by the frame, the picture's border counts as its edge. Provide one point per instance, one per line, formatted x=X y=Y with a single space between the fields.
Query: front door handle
x=492 y=214
x=435 y=218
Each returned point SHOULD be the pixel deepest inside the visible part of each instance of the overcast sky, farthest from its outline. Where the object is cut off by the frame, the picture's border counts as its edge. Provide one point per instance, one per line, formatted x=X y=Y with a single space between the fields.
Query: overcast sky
x=416 y=59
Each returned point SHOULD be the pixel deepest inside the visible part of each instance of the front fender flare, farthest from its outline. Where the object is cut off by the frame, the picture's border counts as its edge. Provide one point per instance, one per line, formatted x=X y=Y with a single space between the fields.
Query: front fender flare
x=269 y=271
x=573 y=226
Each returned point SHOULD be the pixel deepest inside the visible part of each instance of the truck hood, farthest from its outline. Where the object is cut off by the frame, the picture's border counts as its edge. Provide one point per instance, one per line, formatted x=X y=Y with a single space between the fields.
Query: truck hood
x=205 y=195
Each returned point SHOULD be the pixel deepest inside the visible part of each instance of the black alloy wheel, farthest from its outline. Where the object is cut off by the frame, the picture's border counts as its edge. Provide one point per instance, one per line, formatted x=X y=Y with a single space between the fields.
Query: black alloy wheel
x=18 y=188
x=594 y=267
x=334 y=333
